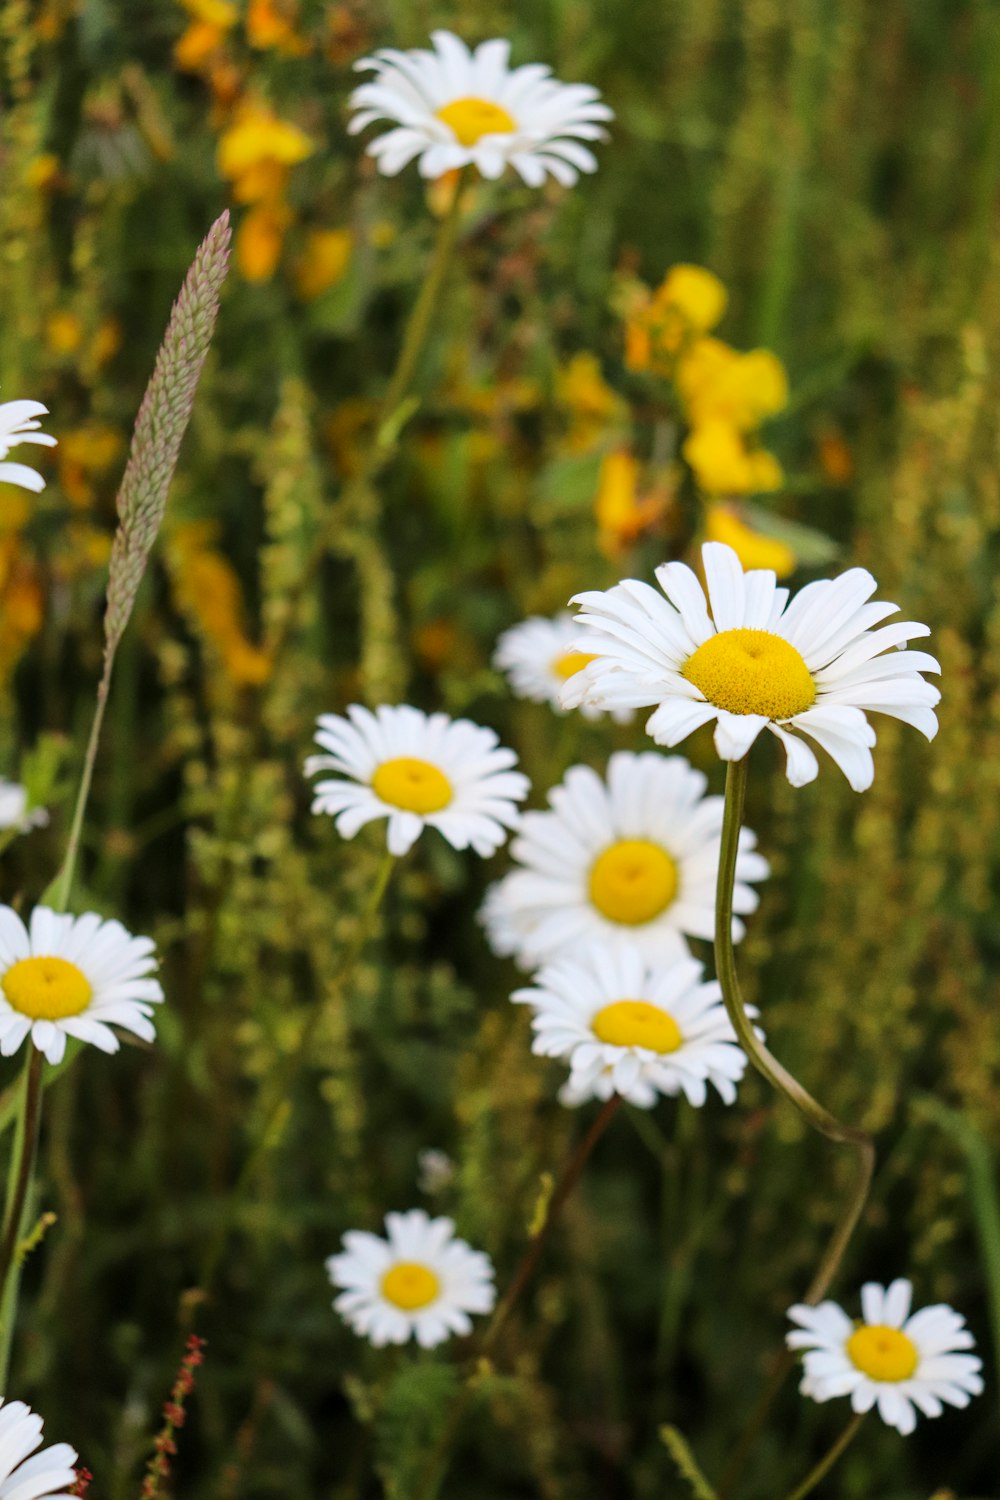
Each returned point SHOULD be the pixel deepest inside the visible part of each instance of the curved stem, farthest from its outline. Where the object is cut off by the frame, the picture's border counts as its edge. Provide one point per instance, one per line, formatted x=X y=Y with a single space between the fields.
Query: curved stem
x=22 y=1166
x=827 y=1462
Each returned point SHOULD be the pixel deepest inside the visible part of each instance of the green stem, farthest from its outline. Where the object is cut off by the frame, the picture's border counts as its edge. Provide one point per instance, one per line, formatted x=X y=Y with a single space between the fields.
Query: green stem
x=63 y=883
x=827 y=1462
x=22 y=1165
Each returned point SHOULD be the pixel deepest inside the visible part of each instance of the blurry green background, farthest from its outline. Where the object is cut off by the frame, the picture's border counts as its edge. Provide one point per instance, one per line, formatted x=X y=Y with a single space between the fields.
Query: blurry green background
x=837 y=164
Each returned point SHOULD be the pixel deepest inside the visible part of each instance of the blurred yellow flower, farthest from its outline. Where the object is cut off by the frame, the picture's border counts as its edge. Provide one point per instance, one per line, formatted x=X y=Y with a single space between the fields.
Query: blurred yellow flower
x=271 y=26
x=196 y=45
x=591 y=403
x=689 y=301
x=754 y=550
x=835 y=458
x=86 y=549
x=42 y=171
x=208 y=591
x=259 y=240
x=106 y=341
x=723 y=464
x=622 y=514
x=64 y=332
x=15 y=509
x=325 y=257
x=717 y=382
x=220 y=13
x=21 y=603
x=91 y=449
x=257 y=151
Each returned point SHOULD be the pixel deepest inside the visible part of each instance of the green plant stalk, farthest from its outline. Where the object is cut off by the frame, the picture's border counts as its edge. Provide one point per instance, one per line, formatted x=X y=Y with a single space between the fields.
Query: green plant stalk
x=22 y=1164
x=780 y=1079
x=828 y=1460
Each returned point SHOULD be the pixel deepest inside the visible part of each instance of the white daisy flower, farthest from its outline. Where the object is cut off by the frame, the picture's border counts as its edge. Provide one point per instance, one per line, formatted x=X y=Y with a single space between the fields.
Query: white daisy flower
x=417 y=770
x=813 y=665
x=538 y=657
x=453 y=107
x=18 y=425
x=14 y=811
x=420 y=1282
x=635 y=856
x=629 y=1028
x=72 y=976
x=900 y=1362
x=50 y=1475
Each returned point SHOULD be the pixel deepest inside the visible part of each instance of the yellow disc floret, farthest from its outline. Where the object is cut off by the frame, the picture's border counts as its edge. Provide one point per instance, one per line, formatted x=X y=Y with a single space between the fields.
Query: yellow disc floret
x=633 y=881
x=470 y=119
x=570 y=662
x=46 y=989
x=412 y=784
x=752 y=672
x=636 y=1023
x=882 y=1353
x=410 y=1286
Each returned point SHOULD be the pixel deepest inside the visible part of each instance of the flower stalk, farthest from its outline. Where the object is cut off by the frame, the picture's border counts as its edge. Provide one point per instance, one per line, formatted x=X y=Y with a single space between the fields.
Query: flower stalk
x=828 y=1460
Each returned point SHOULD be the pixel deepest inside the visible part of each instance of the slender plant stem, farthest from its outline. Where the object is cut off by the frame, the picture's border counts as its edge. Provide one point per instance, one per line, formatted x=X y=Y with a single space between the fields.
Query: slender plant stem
x=390 y=418
x=827 y=1462
x=272 y=1130
x=434 y=1470
x=780 y=1079
x=18 y=1188
x=64 y=880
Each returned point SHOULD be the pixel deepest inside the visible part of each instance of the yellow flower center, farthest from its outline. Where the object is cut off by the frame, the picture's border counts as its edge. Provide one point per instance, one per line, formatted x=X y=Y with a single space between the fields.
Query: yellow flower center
x=46 y=989
x=633 y=881
x=882 y=1353
x=570 y=663
x=470 y=119
x=752 y=672
x=636 y=1023
x=414 y=785
x=410 y=1285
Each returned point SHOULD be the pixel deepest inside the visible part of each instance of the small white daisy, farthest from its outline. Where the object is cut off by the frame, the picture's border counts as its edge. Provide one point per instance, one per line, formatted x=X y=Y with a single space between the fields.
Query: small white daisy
x=50 y=1475
x=635 y=856
x=14 y=811
x=891 y=1358
x=18 y=425
x=538 y=658
x=419 y=1282
x=631 y=1029
x=813 y=665
x=72 y=976
x=453 y=107
x=417 y=770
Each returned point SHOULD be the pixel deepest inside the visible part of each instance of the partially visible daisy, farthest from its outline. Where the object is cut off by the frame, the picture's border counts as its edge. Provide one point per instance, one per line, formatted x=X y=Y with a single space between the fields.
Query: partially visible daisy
x=18 y=425
x=631 y=1029
x=814 y=665
x=14 y=810
x=50 y=1475
x=452 y=107
x=635 y=856
x=419 y=1282
x=72 y=976
x=538 y=658
x=417 y=770
x=899 y=1361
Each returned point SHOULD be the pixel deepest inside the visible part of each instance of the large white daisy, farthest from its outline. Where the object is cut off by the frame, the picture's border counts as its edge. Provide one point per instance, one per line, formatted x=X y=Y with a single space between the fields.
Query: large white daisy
x=635 y=856
x=419 y=1282
x=814 y=665
x=50 y=1475
x=417 y=770
x=18 y=424
x=453 y=107
x=538 y=657
x=629 y=1028
x=900 y=1362
x=73 y=976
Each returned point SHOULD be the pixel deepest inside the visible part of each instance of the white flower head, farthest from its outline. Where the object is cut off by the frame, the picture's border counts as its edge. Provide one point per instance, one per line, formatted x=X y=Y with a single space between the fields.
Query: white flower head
x=626 y=1027
x=814 y=665
x=452 y=108
x=419 y=1282
x=633 y=856
x=18 y=424
x=538 y=657
x=73 y=976
x=14 y=810
x=50 y=1475
x=418 y=770
x=899 y=1361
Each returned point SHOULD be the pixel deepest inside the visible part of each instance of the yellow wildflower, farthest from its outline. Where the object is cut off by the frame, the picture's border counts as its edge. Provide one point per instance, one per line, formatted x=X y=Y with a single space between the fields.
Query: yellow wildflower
x=21 y=603
x=591 y=403
x=208 y=591
x=325 y=257
x=257 y=152
x=259 y=240
x=64 y=332
x=689 y=301
x=222 y=14
x=723 y=464
x=271 y=26
x=42 y=171
x=718 y=383
x=754 y=550
x=90 y=450
x=622 y=514
x=196 y=45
